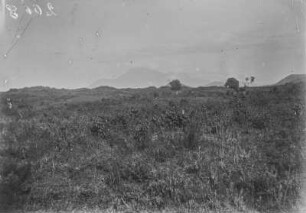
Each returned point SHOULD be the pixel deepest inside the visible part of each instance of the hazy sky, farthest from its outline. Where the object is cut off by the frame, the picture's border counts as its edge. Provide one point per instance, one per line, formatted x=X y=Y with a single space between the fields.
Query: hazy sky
x=92 y=39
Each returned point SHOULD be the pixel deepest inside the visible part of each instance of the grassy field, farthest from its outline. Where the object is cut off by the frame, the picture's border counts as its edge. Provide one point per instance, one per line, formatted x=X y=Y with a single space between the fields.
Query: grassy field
x=152 y=150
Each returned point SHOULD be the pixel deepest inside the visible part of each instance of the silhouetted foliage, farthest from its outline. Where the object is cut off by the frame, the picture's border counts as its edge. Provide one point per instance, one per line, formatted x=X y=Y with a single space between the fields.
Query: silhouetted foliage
x=252 y=79
x=232 y=83
x=175 y=85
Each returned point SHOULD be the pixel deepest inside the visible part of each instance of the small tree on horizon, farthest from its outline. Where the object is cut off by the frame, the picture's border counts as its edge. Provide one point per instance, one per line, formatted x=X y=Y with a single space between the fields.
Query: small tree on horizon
x=232 y=83
x=249 y=80
x=175 y=85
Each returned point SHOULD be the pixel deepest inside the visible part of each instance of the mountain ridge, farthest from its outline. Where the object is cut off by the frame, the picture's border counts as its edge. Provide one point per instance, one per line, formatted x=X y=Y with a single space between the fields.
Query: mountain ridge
x=141 y=77
x=292 y=78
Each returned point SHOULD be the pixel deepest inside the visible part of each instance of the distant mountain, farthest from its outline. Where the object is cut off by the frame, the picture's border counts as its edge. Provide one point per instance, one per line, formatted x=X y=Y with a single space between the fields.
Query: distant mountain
x=293 y=78
x=215 y=84
x=141 y=77
x=134 y=78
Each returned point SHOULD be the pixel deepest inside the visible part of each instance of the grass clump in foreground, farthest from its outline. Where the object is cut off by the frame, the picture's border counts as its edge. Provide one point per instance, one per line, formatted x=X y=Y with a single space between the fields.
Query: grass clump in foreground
x=238 y=153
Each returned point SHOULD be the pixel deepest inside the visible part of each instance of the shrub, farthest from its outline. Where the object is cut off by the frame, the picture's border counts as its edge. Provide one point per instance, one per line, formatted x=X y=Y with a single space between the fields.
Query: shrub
x=232 y=83
x=175 y=85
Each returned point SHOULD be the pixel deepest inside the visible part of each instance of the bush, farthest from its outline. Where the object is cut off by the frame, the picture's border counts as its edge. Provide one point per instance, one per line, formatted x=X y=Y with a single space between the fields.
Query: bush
x=175 y=85
x=232 y=83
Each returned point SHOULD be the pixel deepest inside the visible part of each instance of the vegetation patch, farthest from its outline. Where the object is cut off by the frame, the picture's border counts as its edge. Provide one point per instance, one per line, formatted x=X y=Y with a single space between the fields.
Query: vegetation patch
x=153 y=149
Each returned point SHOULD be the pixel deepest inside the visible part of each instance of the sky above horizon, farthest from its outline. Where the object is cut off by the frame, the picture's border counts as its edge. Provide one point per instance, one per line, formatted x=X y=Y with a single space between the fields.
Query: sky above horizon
x=72 y=43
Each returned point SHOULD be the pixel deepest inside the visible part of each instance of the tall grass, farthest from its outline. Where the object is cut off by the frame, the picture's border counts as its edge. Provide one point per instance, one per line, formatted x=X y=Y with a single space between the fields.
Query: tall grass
x=242 y=153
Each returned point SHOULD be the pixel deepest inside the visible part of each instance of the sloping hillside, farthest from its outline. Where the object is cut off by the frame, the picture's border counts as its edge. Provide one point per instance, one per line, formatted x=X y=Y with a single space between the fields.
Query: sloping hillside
x=293 y=78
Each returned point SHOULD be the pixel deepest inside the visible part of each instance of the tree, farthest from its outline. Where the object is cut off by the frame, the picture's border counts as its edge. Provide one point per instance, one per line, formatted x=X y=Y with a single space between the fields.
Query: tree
x=175 y=85
x=252 y=79
x=249 y=81
x=232 y=83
